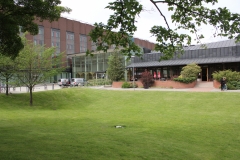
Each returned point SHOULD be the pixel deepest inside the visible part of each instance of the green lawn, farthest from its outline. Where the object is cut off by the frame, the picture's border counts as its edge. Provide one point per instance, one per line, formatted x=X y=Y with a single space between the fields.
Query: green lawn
x=78 y=123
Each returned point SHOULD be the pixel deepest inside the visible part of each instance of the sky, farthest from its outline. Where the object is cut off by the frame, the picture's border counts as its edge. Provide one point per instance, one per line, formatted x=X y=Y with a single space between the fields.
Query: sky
x=91 y=11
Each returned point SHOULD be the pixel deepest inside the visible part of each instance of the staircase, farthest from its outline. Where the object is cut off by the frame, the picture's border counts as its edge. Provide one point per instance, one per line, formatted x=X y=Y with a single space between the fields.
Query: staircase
x=204 y=84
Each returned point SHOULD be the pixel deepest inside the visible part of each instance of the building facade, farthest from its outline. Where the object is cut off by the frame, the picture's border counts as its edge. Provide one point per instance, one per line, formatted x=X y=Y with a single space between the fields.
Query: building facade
x=71 y=37
x=212 y=57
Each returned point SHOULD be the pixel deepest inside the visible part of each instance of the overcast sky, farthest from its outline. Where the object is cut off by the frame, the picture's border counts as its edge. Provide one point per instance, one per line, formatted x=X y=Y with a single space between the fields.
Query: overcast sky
x=91 y=11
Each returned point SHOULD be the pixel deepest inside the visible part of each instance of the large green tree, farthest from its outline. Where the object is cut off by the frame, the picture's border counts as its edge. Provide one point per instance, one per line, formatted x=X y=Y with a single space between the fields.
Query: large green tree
x=187 y=15
x=115 y=69
x=36 y=64
x=16 y=13
x=7 y=70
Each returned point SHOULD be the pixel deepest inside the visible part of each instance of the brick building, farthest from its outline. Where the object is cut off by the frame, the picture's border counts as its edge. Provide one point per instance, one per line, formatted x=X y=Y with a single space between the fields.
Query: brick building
x=71 y=37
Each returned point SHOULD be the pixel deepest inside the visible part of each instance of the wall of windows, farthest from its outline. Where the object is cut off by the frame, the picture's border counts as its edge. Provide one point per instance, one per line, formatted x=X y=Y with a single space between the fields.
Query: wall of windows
x=87 y=67
x=194 y=54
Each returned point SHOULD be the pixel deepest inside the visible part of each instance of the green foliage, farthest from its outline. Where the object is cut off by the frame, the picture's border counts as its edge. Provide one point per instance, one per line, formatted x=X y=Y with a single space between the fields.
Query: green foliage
x=99 y=82
x=126 y=85
x=186 y=15
x=229 y=74
x=232 y=77
x=129 y=85
x=36 y=64
x=185 y=80
x=115 y=69
x=7 y=70
x=124 y=18
x=191 y=70
x=23 y=13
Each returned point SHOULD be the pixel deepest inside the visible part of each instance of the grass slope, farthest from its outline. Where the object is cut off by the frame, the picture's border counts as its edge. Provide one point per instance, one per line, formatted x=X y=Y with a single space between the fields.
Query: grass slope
x=78 y=123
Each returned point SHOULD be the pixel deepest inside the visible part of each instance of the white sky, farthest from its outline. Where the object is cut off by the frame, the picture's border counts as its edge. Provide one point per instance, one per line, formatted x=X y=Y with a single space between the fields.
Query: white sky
x=91 y=11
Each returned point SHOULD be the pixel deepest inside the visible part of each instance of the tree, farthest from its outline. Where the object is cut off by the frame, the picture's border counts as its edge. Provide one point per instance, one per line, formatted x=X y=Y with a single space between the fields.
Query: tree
x=115 y=69
x=37 y=64
x=190 y=70
x=187 y=15
x=7 y=70
x=16 y=13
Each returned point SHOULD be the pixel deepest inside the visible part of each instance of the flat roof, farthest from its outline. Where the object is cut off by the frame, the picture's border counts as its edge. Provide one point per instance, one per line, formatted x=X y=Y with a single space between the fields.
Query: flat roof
x=178 y=62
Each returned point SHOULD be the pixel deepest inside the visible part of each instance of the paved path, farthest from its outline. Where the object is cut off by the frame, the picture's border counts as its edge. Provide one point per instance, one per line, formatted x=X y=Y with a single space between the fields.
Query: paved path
x=200 y=87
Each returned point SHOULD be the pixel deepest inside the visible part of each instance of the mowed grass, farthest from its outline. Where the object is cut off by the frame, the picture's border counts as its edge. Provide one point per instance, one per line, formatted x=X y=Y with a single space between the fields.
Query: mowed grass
x=79 y=123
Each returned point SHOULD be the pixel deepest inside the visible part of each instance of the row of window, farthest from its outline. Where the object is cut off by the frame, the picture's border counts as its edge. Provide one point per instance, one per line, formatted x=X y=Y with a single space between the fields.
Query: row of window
x=55 y=40
x=192 y=54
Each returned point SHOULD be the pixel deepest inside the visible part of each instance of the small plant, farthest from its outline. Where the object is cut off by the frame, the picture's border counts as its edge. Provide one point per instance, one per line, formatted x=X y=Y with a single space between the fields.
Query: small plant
x=126 y=85
x=98 y=82
x=129 y=85
x=185 y=80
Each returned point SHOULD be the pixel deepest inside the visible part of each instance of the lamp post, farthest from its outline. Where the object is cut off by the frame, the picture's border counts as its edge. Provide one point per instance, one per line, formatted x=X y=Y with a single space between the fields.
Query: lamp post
x=133 y=75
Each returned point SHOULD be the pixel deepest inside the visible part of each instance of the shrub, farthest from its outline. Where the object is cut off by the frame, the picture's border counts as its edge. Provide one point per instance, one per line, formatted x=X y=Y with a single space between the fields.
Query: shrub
x=126 y=85
x=99 y=82
x=129 y=85
x=133 y=86
x=185 y=80
x=191 y=70
x=230 y=75
x=146 y=79
x=230 y=86
x=233 y=78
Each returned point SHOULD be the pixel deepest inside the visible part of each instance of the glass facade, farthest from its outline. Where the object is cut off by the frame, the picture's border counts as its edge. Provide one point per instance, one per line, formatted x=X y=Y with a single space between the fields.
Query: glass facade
x=88 y=67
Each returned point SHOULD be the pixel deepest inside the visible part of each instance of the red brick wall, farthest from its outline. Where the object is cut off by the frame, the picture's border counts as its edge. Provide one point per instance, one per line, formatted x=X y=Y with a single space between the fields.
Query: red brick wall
x=162 y=84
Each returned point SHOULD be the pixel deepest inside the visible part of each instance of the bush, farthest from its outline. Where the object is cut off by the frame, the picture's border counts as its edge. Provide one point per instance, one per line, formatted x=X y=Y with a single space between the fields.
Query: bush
x=129 y=85
x=98 y=82
x=230 y=75
x=185 y=80
x=126 y=85
x=146 y=79
x=230 y=86
x=191 y=70
x=233 y=78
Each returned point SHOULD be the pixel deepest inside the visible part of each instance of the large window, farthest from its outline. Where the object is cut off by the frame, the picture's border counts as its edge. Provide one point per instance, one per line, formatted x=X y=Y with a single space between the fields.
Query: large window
x=39 y=38
x=55 y=40
x=70 y=43
x=83 y=43
x=94 y=46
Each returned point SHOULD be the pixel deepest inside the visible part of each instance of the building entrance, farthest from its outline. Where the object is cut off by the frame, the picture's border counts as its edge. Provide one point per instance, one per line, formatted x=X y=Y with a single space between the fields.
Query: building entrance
x=204 y=74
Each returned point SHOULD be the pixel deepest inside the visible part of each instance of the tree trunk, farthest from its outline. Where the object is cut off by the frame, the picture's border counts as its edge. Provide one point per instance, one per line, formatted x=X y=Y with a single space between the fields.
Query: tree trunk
x=31 y=97
x=6 y=86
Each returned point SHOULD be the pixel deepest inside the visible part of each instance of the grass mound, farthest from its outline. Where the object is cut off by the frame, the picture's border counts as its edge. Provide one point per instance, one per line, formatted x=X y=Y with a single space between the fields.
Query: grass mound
x=80 y=123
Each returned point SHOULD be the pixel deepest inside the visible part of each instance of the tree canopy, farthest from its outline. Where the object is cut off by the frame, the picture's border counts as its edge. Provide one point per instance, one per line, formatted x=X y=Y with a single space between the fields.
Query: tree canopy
x=187 y=15
x=16 y=13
